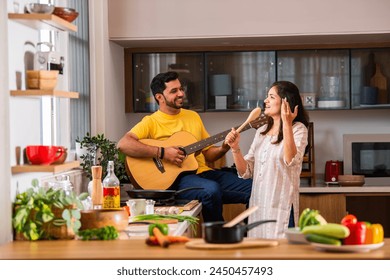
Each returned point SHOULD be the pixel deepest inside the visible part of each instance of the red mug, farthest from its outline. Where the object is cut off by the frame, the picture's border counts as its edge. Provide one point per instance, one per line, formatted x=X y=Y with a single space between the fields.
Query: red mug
x=44 y=155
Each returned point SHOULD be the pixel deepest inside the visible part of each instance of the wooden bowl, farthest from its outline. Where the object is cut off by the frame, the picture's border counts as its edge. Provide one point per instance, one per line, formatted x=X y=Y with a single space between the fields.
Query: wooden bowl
x=67 y=14
x=351 y=180
x=98 y=218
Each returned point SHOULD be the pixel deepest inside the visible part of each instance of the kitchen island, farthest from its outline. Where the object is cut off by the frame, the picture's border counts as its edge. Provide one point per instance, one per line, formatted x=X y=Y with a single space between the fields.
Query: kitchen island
x=136 y=249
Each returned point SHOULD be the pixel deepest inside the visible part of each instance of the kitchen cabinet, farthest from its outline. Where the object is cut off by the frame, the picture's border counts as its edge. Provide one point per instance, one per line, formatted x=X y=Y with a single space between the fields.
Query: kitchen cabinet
x=328 y=79
x=188 y=65
x=370 y=78
x=54 y=23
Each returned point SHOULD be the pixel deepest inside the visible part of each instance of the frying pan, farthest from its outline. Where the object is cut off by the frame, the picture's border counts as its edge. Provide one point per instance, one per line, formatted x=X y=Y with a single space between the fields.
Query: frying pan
x=215 y=232
x=158 y=194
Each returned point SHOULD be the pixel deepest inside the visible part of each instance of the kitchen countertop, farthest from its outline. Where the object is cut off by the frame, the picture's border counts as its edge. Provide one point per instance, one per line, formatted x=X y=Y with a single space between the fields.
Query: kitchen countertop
x=363 y=189
x=136 y=249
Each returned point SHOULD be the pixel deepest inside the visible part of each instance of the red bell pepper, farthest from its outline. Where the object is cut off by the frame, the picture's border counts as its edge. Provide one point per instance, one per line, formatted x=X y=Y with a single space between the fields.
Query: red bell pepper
x=357 y=234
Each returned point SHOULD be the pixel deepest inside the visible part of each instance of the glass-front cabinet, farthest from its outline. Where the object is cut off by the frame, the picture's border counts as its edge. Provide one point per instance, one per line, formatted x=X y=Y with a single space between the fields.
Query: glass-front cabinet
x=322 y=76
x=328 y=79
x=191 y=73
x=238 y=80
x=370 y=73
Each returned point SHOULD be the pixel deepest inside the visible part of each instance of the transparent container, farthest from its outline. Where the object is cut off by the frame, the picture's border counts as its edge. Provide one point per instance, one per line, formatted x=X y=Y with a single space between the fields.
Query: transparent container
x=62 y=182
x=111 y=188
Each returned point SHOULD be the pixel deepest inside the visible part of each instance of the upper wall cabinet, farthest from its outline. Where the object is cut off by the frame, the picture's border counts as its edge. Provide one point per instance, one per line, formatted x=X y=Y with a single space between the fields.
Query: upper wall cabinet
x=328 y=79
x=238 y=80
x=188 y=65
x=370 y=78
x=322 y=76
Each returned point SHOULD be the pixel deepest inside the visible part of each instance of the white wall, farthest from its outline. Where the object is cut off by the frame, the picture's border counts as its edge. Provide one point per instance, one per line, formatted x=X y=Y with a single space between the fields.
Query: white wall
x=155 y=19
x=5 y=167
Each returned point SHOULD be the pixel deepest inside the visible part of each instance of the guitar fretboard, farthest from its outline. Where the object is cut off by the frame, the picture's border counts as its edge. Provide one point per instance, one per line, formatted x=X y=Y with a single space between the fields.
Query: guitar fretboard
x=210 y=141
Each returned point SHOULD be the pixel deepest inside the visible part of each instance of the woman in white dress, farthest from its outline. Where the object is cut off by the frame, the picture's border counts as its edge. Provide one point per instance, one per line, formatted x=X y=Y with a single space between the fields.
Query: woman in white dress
x=274 y=161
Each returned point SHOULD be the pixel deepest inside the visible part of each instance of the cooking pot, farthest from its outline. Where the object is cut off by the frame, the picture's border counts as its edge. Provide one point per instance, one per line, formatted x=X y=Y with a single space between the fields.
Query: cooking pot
x=215 y=232
x=158 y=194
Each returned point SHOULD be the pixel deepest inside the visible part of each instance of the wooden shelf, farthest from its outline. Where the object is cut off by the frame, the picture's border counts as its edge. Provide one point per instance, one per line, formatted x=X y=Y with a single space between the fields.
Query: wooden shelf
x=43 y=22
x=40 y=92
x=54 y=168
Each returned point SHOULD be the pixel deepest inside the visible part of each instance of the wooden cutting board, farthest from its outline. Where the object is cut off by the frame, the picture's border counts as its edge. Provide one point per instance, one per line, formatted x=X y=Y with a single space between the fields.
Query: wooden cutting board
x=189 y=205
x=246 y=243
x=380 y=81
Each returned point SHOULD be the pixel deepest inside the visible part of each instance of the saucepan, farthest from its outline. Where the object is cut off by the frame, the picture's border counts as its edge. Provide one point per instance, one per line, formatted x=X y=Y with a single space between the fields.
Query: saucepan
x=158 y=194
x=215 y=232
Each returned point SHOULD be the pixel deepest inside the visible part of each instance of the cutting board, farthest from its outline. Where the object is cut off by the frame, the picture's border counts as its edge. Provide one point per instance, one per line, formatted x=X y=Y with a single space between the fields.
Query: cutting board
x=246 y=243
x=380 y=81
x=189 y=205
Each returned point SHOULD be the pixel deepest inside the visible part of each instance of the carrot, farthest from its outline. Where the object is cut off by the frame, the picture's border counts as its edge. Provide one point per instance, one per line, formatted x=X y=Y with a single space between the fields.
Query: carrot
x=152 y=240
x=178 y=239
x=162 y=239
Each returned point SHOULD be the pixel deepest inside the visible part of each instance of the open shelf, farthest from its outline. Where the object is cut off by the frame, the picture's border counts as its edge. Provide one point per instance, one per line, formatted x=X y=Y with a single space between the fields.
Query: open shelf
x=41 y=92
x=43 y=22
x=54 y=168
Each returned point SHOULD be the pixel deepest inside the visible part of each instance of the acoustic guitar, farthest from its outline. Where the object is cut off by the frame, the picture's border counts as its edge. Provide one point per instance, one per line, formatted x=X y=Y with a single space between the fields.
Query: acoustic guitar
x=154 y=174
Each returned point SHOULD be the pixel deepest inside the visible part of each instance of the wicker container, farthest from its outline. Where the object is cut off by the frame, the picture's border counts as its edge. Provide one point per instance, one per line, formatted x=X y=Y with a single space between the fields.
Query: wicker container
x=52 y=231
x=43 y=79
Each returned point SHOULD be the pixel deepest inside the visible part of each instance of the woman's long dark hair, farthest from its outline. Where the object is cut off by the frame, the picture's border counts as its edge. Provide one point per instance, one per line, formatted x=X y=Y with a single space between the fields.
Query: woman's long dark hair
x=289 y=91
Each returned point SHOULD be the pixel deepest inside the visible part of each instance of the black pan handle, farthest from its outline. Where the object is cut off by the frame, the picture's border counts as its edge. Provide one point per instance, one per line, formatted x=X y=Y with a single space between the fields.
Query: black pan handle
x=255 y=224
x=187 y=189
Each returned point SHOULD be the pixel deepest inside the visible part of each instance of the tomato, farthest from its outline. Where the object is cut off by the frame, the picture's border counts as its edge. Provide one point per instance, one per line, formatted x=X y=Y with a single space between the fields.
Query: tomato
x=349 y=219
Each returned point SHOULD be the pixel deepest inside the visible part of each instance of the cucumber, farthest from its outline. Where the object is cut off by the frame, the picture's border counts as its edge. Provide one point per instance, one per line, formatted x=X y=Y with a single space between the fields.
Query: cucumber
x=329 y=230
x=316 y=238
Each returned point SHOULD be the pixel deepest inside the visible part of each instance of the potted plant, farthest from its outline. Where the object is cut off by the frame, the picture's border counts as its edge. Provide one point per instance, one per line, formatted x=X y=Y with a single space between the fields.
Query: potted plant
x=100 y=151
x=46 y=213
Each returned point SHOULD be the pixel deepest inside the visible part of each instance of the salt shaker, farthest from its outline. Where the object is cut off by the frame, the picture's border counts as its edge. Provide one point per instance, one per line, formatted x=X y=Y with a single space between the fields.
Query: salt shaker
x=149 y=209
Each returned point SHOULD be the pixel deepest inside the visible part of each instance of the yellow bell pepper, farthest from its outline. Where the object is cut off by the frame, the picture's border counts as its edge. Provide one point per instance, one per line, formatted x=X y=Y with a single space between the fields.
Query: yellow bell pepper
x=374 y=234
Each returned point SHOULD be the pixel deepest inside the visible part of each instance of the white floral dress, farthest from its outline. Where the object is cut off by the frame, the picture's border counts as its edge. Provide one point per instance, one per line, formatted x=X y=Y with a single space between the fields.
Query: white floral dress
x=275 y=182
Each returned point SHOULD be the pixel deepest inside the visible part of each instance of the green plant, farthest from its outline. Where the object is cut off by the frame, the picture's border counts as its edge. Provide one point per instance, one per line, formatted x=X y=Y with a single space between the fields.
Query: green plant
x=35 y=212
x=104 y=233
x=100 y=151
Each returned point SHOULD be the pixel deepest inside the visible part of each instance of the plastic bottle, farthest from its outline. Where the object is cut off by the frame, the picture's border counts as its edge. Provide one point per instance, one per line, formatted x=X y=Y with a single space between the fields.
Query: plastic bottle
x=111 y=190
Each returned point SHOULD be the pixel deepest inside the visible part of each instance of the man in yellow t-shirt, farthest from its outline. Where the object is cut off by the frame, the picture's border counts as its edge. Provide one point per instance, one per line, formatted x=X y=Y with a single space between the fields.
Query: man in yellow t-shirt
x=218 y=187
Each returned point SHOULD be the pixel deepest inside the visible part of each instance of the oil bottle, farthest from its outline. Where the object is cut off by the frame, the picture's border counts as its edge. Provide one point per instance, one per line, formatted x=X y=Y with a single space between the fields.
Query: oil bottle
x=111 y=190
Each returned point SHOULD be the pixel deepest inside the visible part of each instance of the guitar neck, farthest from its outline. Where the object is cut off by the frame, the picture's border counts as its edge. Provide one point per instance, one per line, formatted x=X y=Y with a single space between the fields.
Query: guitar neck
x=210 y=140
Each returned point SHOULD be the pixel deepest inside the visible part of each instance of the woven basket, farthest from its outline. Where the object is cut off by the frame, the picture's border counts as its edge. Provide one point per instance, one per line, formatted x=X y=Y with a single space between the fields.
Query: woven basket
x=59 y=232
x=52 y=231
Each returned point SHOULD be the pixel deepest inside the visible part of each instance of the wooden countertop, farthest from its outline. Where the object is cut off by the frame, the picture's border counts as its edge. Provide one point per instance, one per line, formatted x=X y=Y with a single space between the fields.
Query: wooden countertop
x=363 y=189
x=136 y=249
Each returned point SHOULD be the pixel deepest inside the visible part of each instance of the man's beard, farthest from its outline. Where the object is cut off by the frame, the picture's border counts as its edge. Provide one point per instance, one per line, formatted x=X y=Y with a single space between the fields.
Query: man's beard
x=173 y=104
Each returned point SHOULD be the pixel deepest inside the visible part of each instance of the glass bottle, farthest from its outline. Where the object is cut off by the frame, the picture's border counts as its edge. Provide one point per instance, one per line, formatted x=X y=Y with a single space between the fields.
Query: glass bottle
x=111 y=190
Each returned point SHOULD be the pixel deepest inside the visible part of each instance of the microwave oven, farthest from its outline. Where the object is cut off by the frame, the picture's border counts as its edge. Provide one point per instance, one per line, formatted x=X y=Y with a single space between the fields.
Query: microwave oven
x=368 y=155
